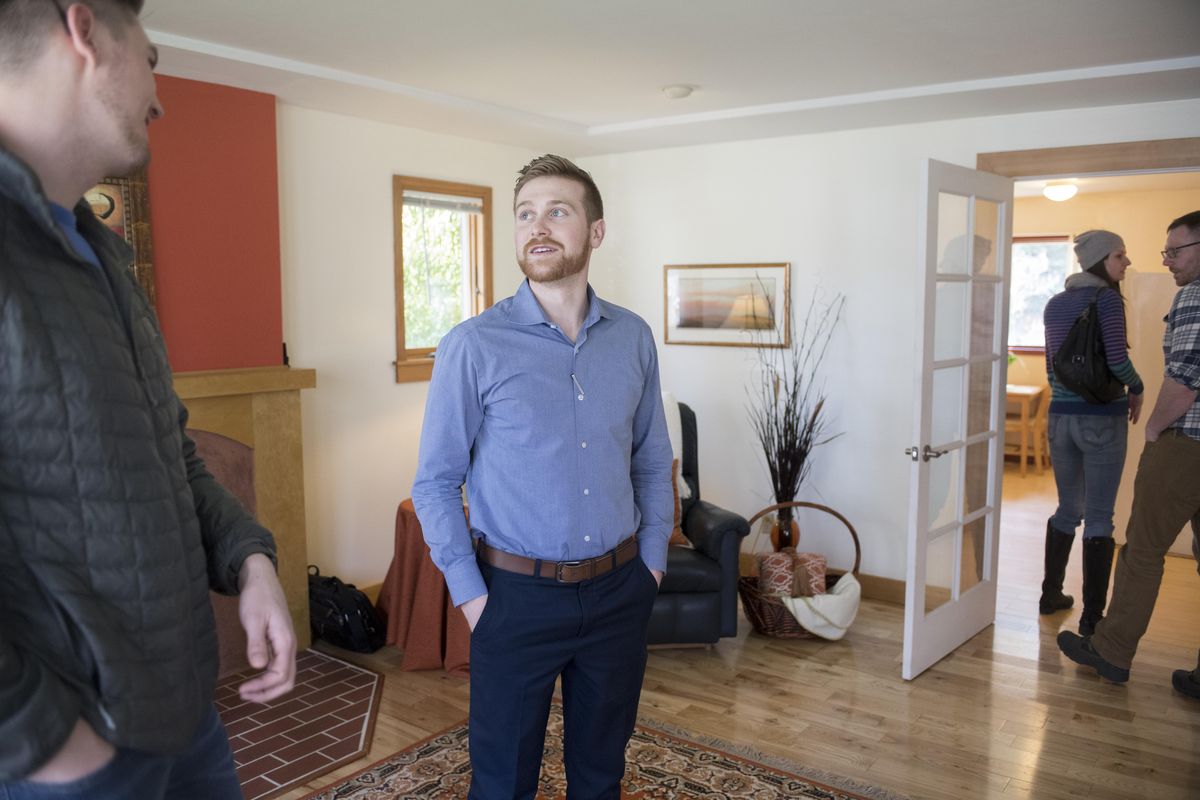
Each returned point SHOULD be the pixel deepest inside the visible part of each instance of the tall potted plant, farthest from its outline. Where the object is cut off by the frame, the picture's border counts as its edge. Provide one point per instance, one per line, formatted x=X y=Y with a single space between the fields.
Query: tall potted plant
x=787 y=404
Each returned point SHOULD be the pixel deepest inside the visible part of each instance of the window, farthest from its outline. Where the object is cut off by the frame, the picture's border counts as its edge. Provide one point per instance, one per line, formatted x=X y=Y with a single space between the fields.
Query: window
x=1039 y=267
x=443 y=243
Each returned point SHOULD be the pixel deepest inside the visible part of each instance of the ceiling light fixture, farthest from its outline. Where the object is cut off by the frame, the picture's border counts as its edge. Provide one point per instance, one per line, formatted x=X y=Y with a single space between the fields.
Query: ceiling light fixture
x=1058 y=192
x=678 y=91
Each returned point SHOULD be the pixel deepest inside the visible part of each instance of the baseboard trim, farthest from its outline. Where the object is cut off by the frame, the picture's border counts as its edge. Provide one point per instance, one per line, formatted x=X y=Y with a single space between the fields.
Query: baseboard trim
x=885 y=590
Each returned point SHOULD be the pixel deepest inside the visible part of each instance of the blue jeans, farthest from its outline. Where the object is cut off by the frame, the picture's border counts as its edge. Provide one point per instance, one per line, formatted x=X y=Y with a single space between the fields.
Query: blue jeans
x=204 y=771
x=1088 y=452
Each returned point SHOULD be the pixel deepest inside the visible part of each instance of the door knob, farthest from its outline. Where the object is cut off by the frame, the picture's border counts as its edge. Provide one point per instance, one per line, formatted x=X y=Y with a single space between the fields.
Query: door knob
x=924 y=455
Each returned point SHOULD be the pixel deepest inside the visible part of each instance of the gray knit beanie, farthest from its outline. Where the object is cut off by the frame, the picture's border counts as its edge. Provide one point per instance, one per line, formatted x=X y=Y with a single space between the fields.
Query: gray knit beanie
x=1092 y=247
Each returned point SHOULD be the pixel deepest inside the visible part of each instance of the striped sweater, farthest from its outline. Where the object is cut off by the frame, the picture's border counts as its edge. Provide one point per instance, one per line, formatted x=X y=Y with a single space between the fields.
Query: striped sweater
x=1061 y=312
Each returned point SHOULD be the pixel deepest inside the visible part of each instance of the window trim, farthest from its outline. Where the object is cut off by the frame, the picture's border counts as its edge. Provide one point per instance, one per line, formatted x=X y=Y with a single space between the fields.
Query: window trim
x=1023 y=349
x=416 y=364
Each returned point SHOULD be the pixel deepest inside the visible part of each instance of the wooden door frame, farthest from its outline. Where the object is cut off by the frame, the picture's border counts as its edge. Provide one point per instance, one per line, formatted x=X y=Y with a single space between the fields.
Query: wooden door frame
x=1131 y=157
x=1148 y=156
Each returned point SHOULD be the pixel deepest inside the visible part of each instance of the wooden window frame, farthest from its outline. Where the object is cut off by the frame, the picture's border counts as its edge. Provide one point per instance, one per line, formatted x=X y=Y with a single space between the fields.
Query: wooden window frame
x=1035 y=350
x=416 y=364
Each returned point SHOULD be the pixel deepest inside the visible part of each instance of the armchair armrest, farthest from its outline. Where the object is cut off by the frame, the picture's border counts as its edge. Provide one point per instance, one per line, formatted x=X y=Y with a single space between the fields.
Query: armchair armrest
x=709 y=528
x=717 y=534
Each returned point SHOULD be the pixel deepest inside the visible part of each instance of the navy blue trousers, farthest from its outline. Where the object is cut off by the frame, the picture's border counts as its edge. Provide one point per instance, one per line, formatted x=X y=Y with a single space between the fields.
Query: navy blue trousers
x=532 y=631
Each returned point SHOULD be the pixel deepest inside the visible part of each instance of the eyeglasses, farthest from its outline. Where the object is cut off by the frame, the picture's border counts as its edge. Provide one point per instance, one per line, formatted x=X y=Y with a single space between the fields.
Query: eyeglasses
x=1171 y=252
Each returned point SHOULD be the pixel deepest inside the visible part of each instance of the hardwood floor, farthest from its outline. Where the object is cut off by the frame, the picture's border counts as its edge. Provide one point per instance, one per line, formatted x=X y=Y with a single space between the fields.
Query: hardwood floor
x=1005 y=716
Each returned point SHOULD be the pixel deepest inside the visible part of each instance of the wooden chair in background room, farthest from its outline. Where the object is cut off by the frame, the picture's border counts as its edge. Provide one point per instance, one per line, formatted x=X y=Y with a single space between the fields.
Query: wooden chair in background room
x=1032 y=438
x=1041 y=433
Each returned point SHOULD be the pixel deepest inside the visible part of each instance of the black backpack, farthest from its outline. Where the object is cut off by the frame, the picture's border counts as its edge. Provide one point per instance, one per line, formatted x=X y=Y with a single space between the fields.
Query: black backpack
x=1080 y=364
x=342 y=615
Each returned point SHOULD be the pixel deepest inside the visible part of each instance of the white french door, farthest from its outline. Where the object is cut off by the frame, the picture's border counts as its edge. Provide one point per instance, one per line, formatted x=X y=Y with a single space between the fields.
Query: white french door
x=958 y=434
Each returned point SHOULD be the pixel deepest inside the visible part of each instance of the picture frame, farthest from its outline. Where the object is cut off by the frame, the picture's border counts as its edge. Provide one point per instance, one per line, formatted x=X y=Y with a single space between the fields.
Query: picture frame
x=727 y=305
x=123 y=204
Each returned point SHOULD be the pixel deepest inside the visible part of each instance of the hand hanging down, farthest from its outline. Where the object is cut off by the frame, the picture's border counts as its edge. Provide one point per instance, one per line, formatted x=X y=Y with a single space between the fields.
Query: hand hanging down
x=270 y=640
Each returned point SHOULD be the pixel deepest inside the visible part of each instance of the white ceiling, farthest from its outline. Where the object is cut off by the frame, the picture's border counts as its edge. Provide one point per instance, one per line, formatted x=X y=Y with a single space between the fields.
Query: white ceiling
x=585 y=76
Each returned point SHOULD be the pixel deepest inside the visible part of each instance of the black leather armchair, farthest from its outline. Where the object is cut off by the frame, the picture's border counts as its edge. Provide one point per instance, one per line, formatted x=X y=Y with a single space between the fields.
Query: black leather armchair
x=697 y=602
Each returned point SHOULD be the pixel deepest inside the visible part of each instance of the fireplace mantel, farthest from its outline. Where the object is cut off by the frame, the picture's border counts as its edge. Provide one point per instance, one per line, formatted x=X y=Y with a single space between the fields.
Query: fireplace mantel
x=260 y=407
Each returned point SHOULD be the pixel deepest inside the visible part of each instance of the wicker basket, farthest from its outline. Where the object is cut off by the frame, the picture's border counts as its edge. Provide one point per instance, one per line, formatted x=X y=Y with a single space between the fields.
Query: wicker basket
x=767 y=614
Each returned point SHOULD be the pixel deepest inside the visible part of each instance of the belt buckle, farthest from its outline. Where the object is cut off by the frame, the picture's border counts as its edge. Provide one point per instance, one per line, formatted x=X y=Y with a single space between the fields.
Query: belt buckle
x=558 y=570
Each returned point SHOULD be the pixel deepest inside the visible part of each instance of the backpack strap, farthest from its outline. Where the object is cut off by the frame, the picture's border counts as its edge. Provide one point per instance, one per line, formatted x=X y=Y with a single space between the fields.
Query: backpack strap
x=1092 y=303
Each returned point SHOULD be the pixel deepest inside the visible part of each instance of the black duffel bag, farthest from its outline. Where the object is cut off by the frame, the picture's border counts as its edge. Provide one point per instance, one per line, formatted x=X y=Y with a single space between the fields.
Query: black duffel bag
x=342 y=615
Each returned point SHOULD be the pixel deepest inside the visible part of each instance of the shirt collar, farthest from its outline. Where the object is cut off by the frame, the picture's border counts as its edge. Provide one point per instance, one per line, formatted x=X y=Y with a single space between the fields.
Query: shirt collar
x=64 y=216
x=526 y=311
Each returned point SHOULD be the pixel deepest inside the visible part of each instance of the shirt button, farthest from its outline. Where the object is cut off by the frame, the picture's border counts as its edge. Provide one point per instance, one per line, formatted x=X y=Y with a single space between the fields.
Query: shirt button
x=583 y=445
x=587 y=491
x=587 y=538
x=580 y=397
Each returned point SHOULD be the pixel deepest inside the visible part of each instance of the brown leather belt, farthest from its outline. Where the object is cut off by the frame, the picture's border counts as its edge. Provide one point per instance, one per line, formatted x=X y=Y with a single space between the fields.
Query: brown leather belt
x=563 y=571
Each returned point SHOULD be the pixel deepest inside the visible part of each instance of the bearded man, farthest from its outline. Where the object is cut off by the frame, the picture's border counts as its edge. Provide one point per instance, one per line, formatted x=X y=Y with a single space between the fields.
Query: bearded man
x=547 y=406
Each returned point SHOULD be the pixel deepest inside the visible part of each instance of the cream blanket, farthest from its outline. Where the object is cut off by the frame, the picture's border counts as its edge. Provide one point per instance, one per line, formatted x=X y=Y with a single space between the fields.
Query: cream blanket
x=828 y=615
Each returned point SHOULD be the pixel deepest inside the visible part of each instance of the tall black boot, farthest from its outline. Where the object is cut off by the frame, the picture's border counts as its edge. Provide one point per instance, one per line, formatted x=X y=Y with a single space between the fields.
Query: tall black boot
x=1058 y=550
x=1097 y=567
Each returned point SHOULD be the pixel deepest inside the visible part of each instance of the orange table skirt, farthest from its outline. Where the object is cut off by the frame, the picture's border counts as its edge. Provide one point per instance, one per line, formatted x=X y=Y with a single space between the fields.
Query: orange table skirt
x=416 y=608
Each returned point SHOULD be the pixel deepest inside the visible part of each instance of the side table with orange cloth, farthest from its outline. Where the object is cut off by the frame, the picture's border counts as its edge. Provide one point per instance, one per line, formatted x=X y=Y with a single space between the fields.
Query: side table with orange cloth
x=415 y=604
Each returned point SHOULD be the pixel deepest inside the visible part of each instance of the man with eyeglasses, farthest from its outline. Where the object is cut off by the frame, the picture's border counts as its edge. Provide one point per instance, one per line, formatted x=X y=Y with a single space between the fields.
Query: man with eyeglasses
x=1167 y=488
x=111 y=530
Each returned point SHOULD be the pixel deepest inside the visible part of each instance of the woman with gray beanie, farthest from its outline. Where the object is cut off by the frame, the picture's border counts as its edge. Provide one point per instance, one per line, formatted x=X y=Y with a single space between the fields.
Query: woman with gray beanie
x=1087 y=441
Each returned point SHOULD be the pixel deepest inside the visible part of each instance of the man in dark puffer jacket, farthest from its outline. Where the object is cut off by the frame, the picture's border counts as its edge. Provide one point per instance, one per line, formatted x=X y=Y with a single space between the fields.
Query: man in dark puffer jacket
x=111 y=529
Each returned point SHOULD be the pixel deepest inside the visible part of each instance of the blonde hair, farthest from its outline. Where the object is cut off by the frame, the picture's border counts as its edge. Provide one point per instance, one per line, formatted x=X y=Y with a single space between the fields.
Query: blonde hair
x=551 y=165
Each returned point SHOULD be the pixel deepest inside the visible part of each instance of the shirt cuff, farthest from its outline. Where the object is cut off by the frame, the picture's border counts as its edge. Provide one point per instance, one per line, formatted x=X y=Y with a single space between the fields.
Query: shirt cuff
x=653 y=550
x=464 y=581
x=1186 y=374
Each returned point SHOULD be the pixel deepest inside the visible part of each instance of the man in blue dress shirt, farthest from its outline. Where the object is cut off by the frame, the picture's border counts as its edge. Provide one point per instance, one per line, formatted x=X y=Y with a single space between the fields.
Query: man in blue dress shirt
x=547 y=406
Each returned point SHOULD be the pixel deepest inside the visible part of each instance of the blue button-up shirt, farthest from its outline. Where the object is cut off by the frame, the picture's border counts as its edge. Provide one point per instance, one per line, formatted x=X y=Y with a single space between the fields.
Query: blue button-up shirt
x=562 y=445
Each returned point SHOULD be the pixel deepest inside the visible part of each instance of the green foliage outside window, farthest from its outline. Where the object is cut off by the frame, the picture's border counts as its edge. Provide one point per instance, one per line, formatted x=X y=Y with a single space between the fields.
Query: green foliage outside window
x=433 y=274
x=1038 y=272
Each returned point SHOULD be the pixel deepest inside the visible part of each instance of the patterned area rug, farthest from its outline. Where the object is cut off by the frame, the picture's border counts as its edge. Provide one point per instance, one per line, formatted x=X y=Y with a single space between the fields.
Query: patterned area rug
x=662 y=764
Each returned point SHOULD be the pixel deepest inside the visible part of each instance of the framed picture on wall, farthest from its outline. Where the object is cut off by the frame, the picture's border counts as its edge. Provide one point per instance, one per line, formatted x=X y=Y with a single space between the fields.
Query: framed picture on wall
x=731 y=305
x=124 y=206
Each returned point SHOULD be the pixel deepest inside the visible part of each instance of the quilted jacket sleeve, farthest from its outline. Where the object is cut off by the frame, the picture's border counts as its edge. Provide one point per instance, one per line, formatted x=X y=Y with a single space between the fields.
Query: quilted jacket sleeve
x=230 y=534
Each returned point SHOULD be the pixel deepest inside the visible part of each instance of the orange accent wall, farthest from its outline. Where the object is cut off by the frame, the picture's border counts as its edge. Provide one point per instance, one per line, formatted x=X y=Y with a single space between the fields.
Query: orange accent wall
x=214 y=215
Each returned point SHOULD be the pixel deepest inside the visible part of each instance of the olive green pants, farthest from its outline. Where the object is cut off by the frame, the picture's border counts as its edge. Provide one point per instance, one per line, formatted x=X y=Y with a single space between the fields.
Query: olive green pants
x=1166 y=496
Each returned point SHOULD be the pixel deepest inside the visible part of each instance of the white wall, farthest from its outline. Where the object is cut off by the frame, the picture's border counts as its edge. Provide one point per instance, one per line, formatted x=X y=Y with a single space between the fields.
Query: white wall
x=361 y=428
x=842 y=208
